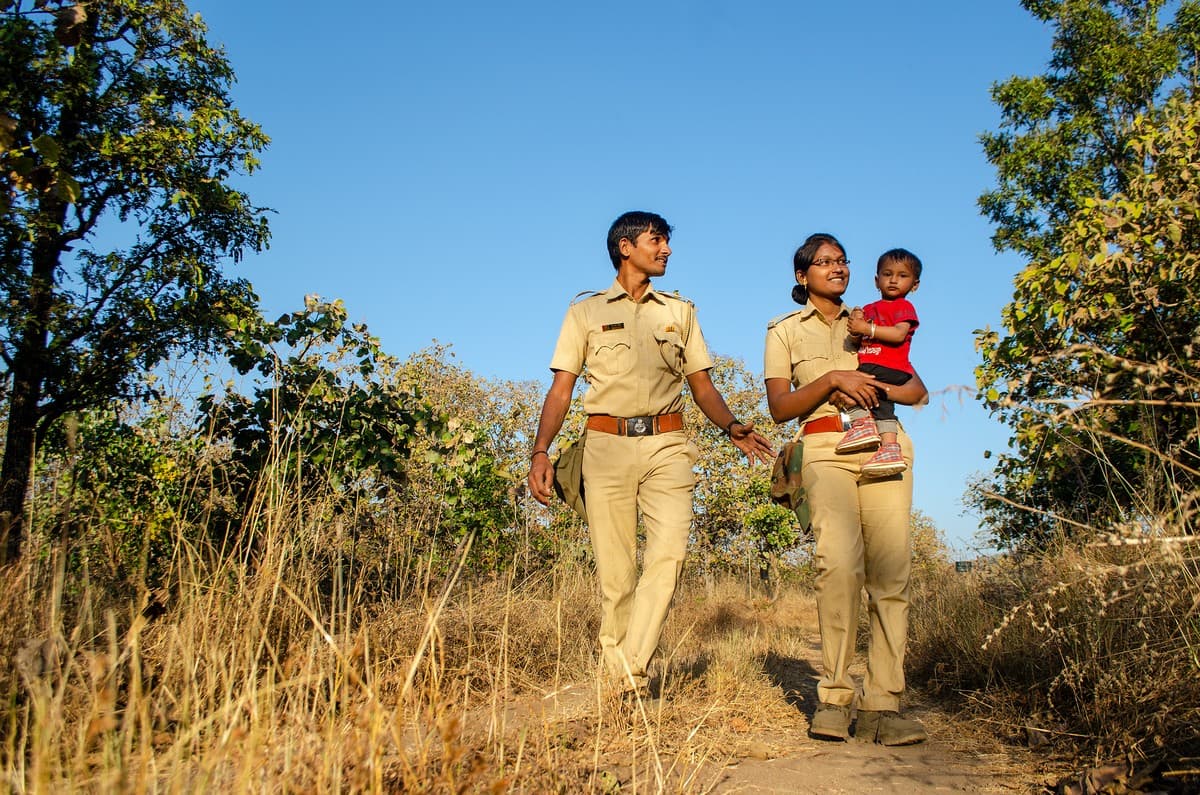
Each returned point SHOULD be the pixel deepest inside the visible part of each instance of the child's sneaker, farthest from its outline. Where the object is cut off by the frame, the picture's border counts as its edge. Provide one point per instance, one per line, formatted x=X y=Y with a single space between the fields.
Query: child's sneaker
x=863 y=435
x=886 y=461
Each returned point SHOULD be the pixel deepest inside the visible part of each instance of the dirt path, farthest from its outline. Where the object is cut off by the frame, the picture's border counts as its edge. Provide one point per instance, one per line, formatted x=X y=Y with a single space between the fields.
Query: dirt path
x=815 y=766
x=956 y=758
x=759 y=757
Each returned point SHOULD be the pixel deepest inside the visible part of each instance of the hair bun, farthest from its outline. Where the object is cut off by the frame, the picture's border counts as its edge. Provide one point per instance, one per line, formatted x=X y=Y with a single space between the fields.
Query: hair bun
x=800 y=294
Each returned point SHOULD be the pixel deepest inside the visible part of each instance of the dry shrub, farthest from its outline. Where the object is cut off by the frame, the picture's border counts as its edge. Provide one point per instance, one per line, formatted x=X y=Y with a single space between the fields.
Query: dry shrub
x=1091 y=643
x=720 y=645
x=279 y=668
x=276 y=667
x=533 y=633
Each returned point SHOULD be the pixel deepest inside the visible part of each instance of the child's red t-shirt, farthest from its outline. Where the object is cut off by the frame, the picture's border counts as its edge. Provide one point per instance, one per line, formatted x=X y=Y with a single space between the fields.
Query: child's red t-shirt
x=889 y=313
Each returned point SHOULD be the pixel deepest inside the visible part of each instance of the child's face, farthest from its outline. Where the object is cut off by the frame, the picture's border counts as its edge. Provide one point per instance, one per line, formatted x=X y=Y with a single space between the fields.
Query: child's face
x=895 y=280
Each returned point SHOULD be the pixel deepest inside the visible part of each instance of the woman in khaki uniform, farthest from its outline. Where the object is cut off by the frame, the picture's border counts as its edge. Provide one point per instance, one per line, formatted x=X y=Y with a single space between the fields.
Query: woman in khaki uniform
x=861 y=525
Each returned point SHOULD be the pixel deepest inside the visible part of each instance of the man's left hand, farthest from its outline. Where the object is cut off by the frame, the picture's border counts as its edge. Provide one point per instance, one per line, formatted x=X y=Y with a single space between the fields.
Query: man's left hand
x=755 y=446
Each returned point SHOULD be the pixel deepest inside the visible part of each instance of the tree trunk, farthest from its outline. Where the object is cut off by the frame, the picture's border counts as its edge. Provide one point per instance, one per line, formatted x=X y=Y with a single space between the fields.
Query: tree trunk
x=18 y=463
x=29 y=374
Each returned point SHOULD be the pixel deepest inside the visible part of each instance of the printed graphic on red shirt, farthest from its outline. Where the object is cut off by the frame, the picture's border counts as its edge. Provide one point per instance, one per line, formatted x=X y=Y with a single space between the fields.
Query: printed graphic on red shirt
x=889 y=313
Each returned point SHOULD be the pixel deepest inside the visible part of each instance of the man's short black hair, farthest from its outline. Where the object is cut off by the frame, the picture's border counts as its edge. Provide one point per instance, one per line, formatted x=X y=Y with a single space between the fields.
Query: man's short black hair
x=629 y=226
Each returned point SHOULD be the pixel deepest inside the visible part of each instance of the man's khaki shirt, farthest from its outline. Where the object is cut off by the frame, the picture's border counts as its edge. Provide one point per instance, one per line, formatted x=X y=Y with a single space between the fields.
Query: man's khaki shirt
x=637 y=353
x=802 y=346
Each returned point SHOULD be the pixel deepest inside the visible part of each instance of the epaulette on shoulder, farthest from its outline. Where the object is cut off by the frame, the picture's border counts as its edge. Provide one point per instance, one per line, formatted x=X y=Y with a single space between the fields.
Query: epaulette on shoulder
x=585 y=294
x=677 y=297
x=775 y=321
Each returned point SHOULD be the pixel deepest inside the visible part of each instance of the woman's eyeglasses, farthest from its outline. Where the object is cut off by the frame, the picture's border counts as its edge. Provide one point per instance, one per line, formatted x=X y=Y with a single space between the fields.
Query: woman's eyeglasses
x=825 y=262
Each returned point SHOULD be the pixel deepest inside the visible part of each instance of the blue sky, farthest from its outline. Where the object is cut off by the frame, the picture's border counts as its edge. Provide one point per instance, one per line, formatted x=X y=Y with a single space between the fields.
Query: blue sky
x=450 y=170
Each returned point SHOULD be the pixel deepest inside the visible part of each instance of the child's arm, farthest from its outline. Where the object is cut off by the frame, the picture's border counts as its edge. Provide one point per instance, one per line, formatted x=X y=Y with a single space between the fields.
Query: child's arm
x=861 y=327
x=892 y=335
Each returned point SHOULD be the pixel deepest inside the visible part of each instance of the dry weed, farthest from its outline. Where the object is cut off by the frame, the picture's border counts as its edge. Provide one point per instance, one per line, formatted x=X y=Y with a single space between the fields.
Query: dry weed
x=262 y=672
x=1095 y=645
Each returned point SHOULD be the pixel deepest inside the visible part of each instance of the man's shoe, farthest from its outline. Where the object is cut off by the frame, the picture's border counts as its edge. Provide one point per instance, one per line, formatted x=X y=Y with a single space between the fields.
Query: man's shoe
x=888 y=728
x=886 y=461
x=863 y=435
x=831 y=721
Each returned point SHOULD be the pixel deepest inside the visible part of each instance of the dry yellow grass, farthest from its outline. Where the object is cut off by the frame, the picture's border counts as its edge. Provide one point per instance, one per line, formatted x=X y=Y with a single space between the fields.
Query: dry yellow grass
x=262 y=675
x=1090 y=647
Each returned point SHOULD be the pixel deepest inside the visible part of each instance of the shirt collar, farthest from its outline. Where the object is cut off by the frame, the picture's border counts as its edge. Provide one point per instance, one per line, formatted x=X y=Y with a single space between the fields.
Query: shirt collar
x=617 y=291
x=808 y=310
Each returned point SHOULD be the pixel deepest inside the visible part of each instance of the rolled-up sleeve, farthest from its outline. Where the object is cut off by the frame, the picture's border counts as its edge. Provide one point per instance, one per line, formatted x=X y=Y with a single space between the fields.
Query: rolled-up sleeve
x=695 y=350
x=571 y=348
x=777 y=357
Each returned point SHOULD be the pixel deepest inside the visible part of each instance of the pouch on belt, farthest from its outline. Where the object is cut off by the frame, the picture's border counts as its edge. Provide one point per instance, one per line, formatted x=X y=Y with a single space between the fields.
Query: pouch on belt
x=787 y=489
x=568 y=475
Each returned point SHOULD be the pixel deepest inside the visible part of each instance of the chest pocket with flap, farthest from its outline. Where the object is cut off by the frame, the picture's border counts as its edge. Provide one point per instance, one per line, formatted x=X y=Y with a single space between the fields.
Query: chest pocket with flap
x=670 y=345
x=610 y=352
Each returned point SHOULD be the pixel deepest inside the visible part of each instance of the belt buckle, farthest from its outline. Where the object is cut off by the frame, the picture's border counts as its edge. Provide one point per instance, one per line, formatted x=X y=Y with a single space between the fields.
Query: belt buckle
x=639 y=426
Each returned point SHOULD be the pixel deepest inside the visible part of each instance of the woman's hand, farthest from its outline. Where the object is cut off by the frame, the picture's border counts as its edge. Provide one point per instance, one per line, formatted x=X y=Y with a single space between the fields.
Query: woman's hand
x=858 y=388
x=841 y=401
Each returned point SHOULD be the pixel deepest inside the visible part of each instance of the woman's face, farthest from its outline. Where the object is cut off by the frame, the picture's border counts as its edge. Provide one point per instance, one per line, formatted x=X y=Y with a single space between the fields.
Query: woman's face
x=829 y=274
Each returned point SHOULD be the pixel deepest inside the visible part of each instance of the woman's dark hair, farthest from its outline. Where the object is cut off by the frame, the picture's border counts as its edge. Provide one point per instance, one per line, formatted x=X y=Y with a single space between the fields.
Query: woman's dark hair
x=803 y=258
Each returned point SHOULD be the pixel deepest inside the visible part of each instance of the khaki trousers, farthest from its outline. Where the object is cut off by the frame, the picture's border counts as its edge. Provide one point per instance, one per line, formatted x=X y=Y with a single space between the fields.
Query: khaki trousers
x=862 y=530
x=621 y=476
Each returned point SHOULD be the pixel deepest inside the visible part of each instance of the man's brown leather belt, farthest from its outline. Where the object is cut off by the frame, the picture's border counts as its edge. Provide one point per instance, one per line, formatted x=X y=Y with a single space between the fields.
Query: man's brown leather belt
x=635 y=426
x=829 y=424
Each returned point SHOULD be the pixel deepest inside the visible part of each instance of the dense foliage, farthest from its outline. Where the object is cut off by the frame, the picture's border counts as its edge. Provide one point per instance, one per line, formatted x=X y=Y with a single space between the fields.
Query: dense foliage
x=118 y=145
x=1097 y=168
x=737 y=526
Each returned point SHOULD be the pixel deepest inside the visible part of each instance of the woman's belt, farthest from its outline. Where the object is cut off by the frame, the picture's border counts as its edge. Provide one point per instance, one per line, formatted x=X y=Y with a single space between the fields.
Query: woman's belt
x=831 y=424
x=635 y=426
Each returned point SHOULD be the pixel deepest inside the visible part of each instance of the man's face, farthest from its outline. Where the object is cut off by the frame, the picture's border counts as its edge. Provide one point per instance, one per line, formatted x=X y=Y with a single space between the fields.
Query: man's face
x=648 y=254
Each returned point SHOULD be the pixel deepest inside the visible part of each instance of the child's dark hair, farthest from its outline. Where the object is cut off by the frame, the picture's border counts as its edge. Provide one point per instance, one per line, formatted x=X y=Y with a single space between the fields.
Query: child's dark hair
x=900 y=256
x=631 y=224
x=804 y=258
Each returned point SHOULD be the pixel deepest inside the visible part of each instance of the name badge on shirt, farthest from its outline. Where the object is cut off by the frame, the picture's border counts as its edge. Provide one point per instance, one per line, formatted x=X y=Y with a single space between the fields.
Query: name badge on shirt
x=612 y=326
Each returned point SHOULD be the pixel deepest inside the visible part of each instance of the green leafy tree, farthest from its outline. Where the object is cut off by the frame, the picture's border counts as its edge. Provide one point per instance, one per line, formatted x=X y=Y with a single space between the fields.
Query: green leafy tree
x=1067 y=139
x=772 y=531
x=1105 y=402
x=727 y=487
x=490 y=502
x=116 y=490
x=1063 y=135
x=329 y=414
x=114 y=116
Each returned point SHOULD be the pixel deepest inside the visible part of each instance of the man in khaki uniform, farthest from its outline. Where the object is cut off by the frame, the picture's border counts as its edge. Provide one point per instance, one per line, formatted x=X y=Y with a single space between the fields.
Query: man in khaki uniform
x=635 y=347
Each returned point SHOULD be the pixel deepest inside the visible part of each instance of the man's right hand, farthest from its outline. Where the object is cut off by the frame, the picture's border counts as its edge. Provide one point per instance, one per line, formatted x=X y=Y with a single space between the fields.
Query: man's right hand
x=554 y=409
x=541 y=478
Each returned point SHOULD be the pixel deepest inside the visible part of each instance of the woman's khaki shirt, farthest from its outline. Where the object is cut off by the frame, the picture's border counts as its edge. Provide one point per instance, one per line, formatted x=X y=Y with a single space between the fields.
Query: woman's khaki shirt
x=802 y=346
